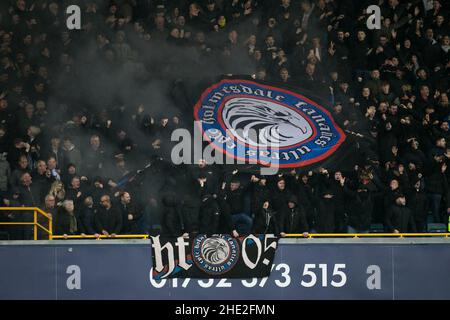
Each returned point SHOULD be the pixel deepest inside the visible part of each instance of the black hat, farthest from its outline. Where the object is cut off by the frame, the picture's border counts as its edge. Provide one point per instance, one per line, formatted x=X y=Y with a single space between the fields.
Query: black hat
x=235 y=179
x=293 y=199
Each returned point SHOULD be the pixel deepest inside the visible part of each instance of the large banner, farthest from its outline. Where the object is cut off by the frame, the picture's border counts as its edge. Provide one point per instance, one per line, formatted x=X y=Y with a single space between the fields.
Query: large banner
x=215 y=256
x=300 y=271
x=269 y=123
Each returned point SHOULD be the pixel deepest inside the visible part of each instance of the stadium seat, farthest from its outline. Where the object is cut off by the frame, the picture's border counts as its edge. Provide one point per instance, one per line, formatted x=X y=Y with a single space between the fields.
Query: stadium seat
x=437 y=227
x=376 y=228
x=4 y=235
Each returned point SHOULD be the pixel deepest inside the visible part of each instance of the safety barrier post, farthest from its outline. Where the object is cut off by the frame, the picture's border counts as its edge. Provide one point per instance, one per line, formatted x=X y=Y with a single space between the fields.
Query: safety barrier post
x=50 y=228
x=35 y=225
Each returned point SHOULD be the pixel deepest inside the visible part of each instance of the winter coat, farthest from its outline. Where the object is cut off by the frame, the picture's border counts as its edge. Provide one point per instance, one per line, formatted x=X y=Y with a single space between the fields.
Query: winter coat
x=129 y=226
x=87 y=221
x=108 y=220
x=266 y=221
x=325 y=215
x=294 y=220
x=235 y=200
x=190 y=211
x=30 y=196
x=279 y=199
x=417 y=203
x=360 y=210
x=399 y=218
x=63 y=221
x=5 y=171
x=435 y=180
x=173 y=223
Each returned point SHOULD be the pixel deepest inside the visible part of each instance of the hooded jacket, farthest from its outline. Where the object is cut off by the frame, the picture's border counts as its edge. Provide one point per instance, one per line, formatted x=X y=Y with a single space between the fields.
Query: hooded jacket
x=173 y=223
x=399 y=218
x=294 y=219
x=266 y=221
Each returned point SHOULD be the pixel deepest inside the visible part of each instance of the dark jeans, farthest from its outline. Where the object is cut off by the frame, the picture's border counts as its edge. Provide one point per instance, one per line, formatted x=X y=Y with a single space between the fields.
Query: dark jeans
x=242 y=222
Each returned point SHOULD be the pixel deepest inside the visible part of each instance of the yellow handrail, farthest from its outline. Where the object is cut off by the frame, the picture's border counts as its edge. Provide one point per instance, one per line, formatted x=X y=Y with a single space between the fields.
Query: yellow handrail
x=25 y=209
x=36 y=225
x=117 y=236
x=35 y=222
x=367 y=235
x=292 y=235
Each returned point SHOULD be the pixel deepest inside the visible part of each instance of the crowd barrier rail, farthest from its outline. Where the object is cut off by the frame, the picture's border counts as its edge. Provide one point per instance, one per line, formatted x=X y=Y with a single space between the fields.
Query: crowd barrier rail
x=35 y=223
x=49 y=231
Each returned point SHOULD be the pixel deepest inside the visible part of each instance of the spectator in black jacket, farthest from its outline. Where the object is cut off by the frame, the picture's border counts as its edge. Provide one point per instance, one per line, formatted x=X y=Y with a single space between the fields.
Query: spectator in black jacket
x=29 y=192
x=75 y=191
x=234 y=197
x=215 y=216
x=266 y=220
x=417 y=202
x=190 y=211
x=391 y=194
x=306 y=197
x=324 y=202
x=293 y=220
x=108 y=220
x=338 y=187
x=259 y=191
x=41 y=176
x=399 y=218
x=360 y=210
x=280 y=196
x=173 y=223
x=87 y=216
x=131 y=214
x=435 y=185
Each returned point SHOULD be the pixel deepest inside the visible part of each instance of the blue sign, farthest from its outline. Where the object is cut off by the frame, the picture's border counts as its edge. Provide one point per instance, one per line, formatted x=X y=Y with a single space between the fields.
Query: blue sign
x=299 y=271
x=266 y=124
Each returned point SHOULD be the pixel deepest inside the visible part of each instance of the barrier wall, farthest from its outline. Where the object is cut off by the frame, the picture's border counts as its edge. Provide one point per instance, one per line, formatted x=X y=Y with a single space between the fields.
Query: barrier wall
x=308 y=269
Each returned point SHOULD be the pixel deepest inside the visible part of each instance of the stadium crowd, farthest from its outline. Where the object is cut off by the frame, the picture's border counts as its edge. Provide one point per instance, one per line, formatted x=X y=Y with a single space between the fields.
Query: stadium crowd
x=82 y=112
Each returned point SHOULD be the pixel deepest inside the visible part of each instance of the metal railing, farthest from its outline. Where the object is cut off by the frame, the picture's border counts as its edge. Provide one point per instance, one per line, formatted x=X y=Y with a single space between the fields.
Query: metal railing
x=117 y=236
x=36 y=225
x=292 y=235
x=367 y=235
x=49 y=230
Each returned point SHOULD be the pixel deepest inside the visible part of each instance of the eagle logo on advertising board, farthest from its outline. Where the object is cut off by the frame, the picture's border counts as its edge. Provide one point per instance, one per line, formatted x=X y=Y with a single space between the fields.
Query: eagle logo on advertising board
x=266 y=124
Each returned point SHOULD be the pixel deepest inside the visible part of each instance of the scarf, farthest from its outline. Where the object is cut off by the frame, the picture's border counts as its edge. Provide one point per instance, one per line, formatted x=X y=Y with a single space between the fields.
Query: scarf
x=73 y=228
